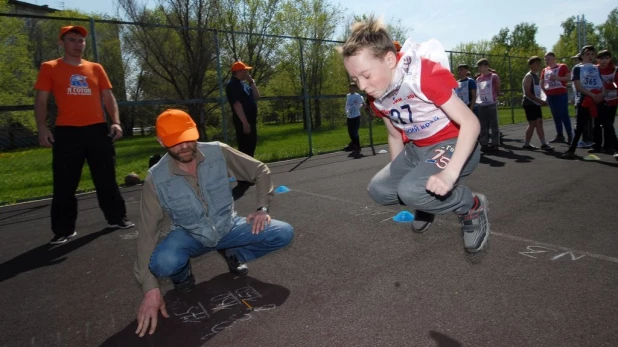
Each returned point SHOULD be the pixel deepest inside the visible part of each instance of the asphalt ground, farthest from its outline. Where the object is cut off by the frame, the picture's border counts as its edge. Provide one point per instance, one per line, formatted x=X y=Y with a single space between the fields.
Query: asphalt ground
x=352 y=276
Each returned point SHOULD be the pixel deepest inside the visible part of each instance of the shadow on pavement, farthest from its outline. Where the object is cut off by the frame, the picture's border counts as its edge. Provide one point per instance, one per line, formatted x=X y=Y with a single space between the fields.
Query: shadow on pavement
x=444 y=340
x=46 y=255
x=507 y=153
x=491 y=162
x=210 y=308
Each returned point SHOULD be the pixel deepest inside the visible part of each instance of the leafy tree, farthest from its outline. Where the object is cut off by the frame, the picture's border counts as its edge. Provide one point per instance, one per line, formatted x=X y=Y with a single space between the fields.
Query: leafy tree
x=609 y=33
x=469 y=53
x=253 y=19
x=317 y=20
x=17 y=75
x=567 y=44
x=394 y=27
x=175 y=60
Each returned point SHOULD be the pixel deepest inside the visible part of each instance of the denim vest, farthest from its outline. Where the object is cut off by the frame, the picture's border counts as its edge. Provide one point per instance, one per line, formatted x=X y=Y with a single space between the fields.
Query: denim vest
x=183 y=204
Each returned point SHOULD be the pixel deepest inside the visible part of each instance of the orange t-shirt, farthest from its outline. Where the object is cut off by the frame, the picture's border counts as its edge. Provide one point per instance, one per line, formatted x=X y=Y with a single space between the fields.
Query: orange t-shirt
x=77 y=90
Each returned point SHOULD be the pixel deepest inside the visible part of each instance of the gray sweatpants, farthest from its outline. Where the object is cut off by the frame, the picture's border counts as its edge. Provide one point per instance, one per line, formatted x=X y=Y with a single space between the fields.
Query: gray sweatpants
x=488 y=117
x=405 y=178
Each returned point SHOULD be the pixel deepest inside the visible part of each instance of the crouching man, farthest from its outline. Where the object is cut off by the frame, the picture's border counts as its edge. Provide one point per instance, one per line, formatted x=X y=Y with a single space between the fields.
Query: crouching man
x=191 y=185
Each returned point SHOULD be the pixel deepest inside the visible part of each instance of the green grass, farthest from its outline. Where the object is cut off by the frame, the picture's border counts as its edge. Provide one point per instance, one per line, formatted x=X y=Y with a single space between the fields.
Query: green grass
x=26 y=173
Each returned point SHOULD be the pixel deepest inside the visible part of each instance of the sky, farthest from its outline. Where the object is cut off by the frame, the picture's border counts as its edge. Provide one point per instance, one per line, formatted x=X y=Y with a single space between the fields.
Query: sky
x=449 y=21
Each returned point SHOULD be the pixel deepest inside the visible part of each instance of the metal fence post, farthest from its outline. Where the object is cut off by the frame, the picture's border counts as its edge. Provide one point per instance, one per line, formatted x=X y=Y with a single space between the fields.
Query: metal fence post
x=303 y=82
x=512 y=101
x=220 y=78
x=94 y=40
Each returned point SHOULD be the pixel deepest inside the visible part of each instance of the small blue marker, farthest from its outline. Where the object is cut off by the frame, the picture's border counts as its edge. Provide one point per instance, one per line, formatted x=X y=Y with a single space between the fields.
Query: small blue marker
x=282 y=189
x=403 y=216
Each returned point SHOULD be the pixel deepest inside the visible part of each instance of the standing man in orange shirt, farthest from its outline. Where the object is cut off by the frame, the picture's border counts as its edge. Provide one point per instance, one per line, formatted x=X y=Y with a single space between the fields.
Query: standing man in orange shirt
x=80 y=134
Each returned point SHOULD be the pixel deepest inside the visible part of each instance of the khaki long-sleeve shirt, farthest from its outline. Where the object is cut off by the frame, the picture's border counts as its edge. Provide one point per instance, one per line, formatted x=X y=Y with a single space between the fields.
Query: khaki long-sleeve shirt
x=239 y=165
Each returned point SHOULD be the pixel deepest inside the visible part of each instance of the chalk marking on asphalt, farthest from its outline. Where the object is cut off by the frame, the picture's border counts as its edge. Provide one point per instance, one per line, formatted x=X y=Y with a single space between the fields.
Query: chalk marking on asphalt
x=550 y=245
x=506 y=236
x=130 y=236
x=342 y=200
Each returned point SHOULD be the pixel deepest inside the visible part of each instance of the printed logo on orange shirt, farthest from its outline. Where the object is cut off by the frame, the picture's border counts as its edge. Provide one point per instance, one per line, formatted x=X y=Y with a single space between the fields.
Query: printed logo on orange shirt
x=78 y=86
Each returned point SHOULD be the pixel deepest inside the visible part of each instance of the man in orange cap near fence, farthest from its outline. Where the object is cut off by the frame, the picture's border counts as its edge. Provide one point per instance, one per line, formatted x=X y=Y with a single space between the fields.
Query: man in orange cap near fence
x=191 y=185
x=81 y=133
x=242 y=94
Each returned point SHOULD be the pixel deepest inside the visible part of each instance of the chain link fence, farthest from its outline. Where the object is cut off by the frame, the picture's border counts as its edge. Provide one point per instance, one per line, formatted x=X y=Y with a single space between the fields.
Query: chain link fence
x=302 y=83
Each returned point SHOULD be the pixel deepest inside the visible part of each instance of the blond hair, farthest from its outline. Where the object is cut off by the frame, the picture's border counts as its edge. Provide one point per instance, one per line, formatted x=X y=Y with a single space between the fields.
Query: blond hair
x=370 y=34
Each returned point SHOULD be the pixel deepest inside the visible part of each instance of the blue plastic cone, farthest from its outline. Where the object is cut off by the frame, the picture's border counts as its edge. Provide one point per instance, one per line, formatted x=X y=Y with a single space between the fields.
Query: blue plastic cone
x=403 y=216
x=282 y=189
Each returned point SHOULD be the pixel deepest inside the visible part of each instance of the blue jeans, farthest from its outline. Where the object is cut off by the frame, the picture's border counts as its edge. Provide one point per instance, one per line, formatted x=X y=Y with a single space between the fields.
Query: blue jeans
x=171 y=256
x=559 y=106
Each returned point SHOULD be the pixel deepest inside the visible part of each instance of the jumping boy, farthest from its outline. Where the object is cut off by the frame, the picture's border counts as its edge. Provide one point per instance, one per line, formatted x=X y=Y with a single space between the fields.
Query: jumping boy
x=414 y=95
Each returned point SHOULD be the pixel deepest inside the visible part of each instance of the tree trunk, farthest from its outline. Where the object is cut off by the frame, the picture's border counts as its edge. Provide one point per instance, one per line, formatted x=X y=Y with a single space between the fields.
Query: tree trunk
x=196 y=111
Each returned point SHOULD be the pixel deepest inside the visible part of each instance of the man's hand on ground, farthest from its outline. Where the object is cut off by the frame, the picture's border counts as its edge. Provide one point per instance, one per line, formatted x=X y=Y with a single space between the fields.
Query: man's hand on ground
x=149 y=312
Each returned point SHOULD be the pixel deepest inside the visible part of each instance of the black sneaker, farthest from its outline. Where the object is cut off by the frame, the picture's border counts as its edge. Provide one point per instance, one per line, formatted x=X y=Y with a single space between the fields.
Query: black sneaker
x=187 y=285
x=356 y=154
x=422 y=221
x=568 y=155
x=558 y=139
x=60 y=239
x=475 y=226
x=348 y=148
x=234 y=265
x=123 y=224
x=547 y=147
x=530 y=147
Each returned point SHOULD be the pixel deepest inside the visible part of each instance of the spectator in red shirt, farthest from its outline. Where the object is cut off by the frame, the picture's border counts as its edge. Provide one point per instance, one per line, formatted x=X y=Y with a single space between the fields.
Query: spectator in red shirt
x=554 y=80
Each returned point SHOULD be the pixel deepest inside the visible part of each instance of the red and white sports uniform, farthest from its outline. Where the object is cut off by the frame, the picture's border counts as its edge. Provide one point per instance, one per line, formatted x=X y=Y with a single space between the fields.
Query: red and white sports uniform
x=554 y=87
x=486 y=89
x=421 y=85
x=609 y=75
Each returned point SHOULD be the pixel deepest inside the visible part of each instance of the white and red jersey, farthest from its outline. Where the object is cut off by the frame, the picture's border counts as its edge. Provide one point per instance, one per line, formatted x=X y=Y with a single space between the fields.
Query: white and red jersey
x=609 y=75
x=422 y=83
x=487 y=89
x=554 y=87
